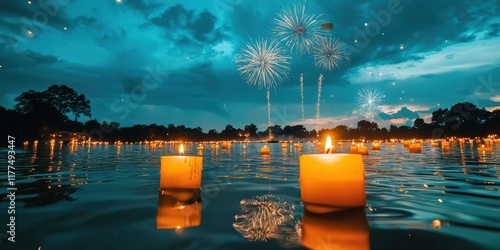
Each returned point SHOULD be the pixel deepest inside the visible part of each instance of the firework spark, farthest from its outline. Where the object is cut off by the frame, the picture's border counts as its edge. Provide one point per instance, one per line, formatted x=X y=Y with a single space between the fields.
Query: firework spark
x=330 y=53
x=369 y=100
x=298 y=27
x=266 y=217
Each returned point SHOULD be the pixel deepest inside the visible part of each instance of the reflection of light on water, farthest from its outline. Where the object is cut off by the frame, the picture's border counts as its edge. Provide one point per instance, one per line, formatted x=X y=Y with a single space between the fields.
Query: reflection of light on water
x=267 y=217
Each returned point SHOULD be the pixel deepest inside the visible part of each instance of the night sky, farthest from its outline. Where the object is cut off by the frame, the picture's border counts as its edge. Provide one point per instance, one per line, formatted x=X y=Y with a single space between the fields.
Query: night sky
x=163 y=62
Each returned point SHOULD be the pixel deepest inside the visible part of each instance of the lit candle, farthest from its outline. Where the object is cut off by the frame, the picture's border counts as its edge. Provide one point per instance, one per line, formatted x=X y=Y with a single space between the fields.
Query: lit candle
x=200 y=147
x=264 y=150
x=353 y=149
x=330 y=182
x=415 y=148
x=375 y=146
x=178 y=209
x=363 y=150
x=339 y=230
x=434 y=144
x=225 y=145
x=484 y=149
x=181 y=171
x=284 y=145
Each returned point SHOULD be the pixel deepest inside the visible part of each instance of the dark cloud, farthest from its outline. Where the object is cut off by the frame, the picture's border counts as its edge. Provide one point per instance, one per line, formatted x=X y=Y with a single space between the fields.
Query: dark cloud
x=403 y=113
x=182 y=25
x=141 y=6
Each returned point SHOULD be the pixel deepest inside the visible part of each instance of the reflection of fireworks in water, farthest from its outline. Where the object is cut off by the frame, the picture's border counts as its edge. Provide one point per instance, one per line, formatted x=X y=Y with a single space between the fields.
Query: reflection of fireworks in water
x=369 y=99
x=263 y=64
x=267 y=217
x=330 y=53
x=298 y=27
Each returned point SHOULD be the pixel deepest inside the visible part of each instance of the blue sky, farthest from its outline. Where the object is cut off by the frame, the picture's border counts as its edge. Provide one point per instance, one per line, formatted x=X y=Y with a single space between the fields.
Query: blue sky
x=144 y=62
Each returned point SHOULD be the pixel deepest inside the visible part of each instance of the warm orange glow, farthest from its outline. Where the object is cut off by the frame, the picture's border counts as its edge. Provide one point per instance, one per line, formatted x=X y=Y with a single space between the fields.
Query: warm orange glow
x=178 y=209
x=328 y=145
x=181 y=150
x=319 y=174
x=181 y=171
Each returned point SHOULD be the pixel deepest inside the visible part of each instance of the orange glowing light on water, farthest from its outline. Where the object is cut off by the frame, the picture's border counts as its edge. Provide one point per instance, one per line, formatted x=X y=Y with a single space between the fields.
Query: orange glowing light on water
x=181 y=149
x=328 y=145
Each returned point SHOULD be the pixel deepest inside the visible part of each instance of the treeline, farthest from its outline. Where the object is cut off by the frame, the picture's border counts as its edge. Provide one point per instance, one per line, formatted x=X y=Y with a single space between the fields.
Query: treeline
x=36 y=115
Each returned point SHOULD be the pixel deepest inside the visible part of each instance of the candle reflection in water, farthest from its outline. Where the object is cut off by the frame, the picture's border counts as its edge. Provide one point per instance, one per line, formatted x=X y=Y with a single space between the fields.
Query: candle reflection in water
x=267 y=217
x=178 y=208
x=347 y=229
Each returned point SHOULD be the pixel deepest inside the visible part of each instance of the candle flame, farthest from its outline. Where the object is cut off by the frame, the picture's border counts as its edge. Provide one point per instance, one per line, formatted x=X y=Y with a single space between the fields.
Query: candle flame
x=328 y=145
x=181 y=149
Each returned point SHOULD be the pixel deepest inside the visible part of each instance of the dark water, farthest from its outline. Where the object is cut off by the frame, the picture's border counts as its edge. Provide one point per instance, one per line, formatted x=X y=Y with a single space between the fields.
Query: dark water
x=105 y=197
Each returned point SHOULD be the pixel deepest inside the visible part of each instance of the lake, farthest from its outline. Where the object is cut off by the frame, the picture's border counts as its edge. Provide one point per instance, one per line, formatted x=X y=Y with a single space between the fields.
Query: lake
x=108 y=197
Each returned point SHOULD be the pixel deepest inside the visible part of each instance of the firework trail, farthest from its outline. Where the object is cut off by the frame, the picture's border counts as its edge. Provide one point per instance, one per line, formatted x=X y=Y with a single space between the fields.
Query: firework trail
x=302 y=94
x=369 y=100
x=320 y=82
x=298 y=27
x=262 y=63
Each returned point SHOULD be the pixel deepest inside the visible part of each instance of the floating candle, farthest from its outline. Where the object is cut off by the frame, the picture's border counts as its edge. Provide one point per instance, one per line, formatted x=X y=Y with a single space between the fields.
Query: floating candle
x=264 y=150
x=330 y=182
x=415 y=148
x=375 y=146
x=483 y=149
x=181 y=171
x=363 y=150
x=353 y=149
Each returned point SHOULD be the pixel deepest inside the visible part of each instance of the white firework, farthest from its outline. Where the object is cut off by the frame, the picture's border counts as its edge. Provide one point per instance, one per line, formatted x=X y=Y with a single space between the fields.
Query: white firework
x=369 y=100
x=330 y=53
x=262 y=63
x=298 y=27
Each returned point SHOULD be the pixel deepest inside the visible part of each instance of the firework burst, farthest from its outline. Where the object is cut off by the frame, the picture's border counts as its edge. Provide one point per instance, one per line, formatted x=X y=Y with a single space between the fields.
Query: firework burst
x=298 y=27
x=369 y=100
x=330 y=53
x=263 y=63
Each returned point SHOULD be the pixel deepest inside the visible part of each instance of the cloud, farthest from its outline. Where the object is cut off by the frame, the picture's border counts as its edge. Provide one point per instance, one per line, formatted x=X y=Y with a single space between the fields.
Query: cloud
x=183 y=25
x=403 y=113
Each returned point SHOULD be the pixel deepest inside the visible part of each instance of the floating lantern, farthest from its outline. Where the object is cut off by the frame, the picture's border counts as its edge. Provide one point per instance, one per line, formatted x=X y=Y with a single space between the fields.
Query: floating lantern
x=363 y=150
x=178 y=209
x=338 y=230
x=415 y=148
x=375 y=146
x=264 y=150
x=406 y=143
x=330 y=182
x=445 y=144
x=483 y=149
x=225 y=145
x=181 y=171
x=434 y=144
x=284 y=145
x=200 y=147
x=353 y=149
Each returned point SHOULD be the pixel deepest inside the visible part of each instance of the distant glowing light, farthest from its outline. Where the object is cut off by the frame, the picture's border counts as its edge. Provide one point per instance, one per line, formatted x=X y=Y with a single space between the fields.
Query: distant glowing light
x=65 y=28
x=402 y=46
x=440 y=201
x=383 y=33
x=118 y=1
x=393 y=83
x=29 y=2
x=366 y=24
x=29 y=33
x=436 y=223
